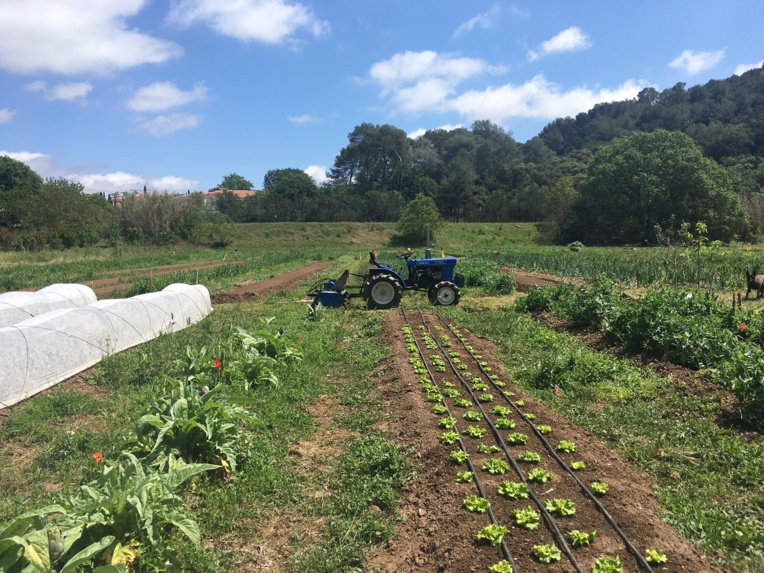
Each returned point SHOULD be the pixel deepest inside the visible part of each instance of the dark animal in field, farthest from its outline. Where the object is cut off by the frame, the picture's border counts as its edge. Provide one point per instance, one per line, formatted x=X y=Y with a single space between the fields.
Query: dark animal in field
x=755 y=282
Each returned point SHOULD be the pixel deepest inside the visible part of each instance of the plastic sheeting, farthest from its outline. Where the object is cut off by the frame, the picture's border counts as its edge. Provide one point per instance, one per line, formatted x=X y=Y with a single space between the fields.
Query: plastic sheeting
x=40 y=352
x=19 y=305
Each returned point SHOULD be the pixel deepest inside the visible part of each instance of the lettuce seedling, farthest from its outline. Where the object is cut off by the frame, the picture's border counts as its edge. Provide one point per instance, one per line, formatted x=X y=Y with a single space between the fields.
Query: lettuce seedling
x=566 y=446
x=517 y=439
x=504 y=411
x=608 y=565
x=562 y=507
x=476 y=504
x=599 y=487
x=480 y=386
x=462 y=403
x=493 y=534
x=458 y=457
x=495 y=467
x=464 y=477
x=539 y=475
x=578 y=466
x=544 y=429
x=449 y=438
x=451 y=393
x=486 y=449
x=655 y=556
x=486 y=397
x=580 y=538
x=504 y=424
x=547 y=553
x=502 y=566
x=439 y=409
x=432 y=397
x=472 y=416
x=513 y=490
x=519 y=403
x=526 y=518
x=447 y=423
x=529 y=457
x=475 y=432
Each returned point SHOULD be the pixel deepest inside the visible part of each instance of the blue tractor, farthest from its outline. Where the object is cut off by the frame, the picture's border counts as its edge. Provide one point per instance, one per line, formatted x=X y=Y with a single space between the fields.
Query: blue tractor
x=382 y=287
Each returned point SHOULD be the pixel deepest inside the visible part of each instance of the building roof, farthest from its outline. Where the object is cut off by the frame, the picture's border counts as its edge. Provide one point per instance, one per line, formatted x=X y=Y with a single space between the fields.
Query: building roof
x=240 y=193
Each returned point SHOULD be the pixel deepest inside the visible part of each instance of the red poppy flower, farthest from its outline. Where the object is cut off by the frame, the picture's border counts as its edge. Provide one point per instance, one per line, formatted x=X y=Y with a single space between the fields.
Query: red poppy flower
x=741 y=328
x=558 y=392
x=98 y=456
x=216 y=364
x=299 y=338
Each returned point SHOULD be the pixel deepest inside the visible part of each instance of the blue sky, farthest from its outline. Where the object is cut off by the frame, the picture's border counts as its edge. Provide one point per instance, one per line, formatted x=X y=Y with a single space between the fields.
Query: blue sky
x=174 y=95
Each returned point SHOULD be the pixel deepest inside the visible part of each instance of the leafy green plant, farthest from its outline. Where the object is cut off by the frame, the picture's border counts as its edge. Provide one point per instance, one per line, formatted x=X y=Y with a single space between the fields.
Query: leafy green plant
x=450 y=392
x=580 y=538
x=547 y=553
x=447 y=423
x=475 y=432
x=485 y=397
x=503 y=411
x=527 y=518
x=539 y=475
x=517 y=439
x=192 y=427
x=502 y=566
x=439 y=409
x=449 y=438
x=608 y=565
x=476 y=504
x=504 y=424
x=495 y=466
x=513 y=490
x=464 y=477
x=544 y=429
x=492 y=534
x=458 y=457
x=561 y=507
x=472 y=416
x=529 y=457
x=578 y=466
x=655 y=556
x=462 y=403
x=600 y=488
x=488 y=449
x=566 y=446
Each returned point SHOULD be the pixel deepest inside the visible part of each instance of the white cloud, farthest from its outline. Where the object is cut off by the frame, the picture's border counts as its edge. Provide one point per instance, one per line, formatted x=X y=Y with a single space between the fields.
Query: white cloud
x=67 y=92
x=483 y=20
x=6 y=115
x=695 y=62
x=76 y=37
x=317 y=172
x=305 y=118
x=743 y=68
x=119 y=181
x=267 y=21
x=417 y=133
x=418 y=81
x=568 y=40
x=164 y=125
x=161 y=96
x=537 y=98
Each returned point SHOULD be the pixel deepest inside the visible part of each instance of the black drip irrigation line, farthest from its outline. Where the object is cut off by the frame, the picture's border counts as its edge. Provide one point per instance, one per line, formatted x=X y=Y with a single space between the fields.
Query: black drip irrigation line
x=550 y=522
x=585 y=490
x=504 y=549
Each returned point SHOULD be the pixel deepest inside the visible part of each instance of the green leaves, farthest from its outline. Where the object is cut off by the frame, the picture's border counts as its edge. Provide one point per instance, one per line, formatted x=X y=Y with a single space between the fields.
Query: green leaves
x=476 y=504
x=495 y=466
x=547 y=553
x=492 y=534
x=580 y=538
x=527 y=518
x=561 y=507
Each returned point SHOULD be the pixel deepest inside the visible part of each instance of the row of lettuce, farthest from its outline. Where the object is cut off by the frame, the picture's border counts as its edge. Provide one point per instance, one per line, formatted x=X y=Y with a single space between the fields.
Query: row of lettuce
x=684 y=326
x=128 y=506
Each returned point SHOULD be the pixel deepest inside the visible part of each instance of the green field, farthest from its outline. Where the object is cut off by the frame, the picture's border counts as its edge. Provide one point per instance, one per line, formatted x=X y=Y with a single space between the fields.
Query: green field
x=316 y=509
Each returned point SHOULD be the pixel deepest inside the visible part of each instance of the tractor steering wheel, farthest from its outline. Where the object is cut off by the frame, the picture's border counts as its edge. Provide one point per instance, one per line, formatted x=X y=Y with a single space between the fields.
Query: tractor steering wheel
x=406 y=256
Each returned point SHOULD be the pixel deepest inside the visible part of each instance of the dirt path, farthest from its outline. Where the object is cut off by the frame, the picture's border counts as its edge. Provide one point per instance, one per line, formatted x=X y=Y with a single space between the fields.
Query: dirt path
x=436 y=532
x=287 y=281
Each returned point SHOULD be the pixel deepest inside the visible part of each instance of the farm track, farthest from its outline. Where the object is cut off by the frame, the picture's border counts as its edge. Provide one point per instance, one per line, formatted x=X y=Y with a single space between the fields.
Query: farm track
x=438 y=533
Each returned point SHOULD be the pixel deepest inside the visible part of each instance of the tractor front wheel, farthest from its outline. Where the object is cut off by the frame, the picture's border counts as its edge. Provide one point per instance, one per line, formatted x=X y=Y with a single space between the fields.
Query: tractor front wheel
x=383 y=291
x=445 y=293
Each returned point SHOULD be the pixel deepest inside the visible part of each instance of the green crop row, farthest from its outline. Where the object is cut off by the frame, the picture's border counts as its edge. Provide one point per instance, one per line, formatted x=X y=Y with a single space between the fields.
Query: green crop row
x=683 y=326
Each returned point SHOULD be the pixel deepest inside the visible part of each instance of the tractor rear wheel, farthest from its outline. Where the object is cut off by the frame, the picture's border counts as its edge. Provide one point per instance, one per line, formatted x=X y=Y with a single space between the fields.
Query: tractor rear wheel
x=383 y=291
x=445 y=293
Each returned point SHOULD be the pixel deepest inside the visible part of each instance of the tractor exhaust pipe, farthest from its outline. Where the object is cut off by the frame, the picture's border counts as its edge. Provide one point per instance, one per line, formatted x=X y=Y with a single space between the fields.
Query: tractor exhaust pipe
x=428 y=250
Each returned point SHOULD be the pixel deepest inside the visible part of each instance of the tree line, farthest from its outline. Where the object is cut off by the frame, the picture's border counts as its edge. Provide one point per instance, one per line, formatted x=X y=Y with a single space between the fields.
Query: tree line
x=607 y=176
